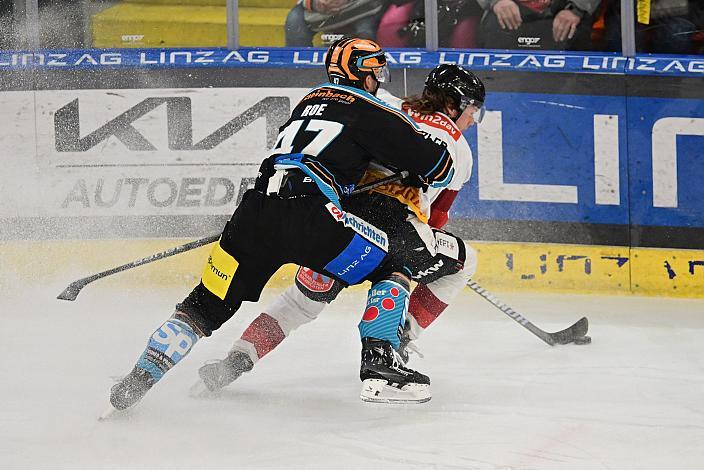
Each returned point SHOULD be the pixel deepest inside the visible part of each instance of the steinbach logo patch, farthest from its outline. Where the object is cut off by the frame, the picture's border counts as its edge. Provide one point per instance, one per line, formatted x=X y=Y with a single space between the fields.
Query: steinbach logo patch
x=365 y=229
x=314 y=281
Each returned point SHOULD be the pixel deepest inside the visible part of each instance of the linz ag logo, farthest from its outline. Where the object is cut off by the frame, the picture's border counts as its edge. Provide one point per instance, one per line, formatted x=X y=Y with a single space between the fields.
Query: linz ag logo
x=179 y=125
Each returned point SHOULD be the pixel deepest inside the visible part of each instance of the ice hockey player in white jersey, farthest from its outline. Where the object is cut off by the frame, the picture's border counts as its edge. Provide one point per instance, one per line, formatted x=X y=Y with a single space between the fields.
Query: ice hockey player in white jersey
x=451 y=102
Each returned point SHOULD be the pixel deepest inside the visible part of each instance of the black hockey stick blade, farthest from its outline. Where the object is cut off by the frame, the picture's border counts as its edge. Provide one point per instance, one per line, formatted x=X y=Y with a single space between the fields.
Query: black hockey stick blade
x=568 y=335
x=72 y=290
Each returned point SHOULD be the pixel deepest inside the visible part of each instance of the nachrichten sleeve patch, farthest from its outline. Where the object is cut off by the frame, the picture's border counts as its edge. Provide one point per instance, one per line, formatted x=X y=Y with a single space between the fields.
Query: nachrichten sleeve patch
x=218 y=271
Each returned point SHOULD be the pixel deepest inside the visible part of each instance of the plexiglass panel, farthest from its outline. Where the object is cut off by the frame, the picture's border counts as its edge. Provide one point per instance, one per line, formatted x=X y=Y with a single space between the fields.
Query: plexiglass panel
x=403 y=24
x=307 y=23
x=134 y=23
x=669 y=26
x=567 y=25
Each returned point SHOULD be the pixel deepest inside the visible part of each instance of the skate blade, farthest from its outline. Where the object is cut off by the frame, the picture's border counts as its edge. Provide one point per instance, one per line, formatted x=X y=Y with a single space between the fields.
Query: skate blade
x=200 y=390
x=110 y=412
x=378 y=391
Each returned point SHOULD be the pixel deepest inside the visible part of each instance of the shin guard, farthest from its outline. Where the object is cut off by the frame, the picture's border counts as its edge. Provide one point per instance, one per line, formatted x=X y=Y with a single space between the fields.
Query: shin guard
x=170 y=343
x=385 y=313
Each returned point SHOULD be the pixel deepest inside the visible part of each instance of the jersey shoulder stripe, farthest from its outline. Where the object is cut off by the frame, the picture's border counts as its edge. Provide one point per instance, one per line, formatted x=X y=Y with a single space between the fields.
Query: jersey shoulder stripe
x=369 y=98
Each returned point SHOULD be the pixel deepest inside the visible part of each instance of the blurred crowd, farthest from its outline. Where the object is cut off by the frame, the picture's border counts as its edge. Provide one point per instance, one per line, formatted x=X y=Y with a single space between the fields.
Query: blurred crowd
x=663 y=26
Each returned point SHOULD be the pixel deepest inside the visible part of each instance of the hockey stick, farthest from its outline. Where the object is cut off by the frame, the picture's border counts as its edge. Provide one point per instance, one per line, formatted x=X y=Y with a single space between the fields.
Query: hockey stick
x=566 y=336
x=72 y=290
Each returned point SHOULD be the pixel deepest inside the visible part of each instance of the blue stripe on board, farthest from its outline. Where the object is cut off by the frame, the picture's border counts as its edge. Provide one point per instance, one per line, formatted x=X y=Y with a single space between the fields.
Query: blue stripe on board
x=286 y=57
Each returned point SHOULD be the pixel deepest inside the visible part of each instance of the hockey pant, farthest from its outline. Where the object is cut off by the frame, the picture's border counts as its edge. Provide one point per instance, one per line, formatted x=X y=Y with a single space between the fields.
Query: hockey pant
x=303 y=302
x=264 y=233
x=267 y=232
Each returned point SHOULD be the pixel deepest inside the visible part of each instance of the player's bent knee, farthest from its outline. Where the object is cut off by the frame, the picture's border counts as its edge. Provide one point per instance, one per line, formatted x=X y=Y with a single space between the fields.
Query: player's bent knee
x=194 y=322
x=293 y=308
x=401 y=278
x=206 y=310
x=317 y=287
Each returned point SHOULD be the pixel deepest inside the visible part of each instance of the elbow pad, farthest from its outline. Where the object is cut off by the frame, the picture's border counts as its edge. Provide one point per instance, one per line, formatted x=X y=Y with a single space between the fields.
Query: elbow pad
x=439 y=211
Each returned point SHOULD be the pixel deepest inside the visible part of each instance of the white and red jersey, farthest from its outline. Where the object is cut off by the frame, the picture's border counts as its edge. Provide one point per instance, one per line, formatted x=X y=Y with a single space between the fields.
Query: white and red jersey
x=431 y=205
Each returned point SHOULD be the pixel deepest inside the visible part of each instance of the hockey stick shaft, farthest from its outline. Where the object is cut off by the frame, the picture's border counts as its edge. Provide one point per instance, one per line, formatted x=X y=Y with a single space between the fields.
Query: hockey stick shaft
x=380 y=182
x=72 y=290
x=577 y=330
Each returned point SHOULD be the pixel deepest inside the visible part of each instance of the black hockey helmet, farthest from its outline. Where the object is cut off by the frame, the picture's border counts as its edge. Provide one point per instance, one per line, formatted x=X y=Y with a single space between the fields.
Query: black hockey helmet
x=349 y=60
x=460 y=85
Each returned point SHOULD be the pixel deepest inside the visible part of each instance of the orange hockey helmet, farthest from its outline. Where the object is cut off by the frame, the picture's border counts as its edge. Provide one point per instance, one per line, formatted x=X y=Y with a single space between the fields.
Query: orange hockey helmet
x=349 y=60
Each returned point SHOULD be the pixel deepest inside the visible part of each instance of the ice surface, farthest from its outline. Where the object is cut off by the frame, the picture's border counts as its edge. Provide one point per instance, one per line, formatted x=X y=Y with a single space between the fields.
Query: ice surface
x=502 y=399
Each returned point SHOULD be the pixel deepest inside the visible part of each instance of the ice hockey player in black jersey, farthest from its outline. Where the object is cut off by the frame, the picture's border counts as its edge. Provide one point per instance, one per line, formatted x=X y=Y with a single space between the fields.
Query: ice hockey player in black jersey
x=296 y=214
x=451 y=101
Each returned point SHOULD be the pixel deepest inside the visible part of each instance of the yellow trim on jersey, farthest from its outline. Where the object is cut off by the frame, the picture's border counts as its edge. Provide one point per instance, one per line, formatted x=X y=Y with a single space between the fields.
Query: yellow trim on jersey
x=408 y=195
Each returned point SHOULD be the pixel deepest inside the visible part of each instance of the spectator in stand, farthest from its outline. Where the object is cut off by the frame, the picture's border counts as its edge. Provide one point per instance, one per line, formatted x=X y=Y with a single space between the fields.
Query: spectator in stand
x=538 y=24
x=359 y=18
x=662 y=26
x=403 y=24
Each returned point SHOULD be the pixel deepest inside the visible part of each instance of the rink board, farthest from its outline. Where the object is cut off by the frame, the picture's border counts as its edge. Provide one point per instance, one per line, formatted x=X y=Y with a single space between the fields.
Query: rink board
x=612 y=160
x=590 y=269
x=502 y=266
x=586 y=177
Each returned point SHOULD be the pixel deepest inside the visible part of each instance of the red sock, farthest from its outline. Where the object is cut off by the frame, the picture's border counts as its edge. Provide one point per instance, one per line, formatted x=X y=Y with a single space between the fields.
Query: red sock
x=264 y=333
x=424 y=306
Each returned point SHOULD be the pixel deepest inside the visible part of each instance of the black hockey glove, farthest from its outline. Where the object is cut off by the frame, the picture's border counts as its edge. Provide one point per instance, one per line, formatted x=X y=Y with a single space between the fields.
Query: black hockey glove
x=415 y=181
x=266 y=170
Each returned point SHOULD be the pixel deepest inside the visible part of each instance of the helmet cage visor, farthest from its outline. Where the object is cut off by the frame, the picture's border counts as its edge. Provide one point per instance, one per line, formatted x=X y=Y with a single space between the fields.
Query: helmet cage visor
x=382 y=74
x=466 y=101
x=375 y=63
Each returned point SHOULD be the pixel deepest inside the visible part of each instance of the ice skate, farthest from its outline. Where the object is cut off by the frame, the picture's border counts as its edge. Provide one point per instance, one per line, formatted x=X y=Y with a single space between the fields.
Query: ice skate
x=386 y=380
x=218 y=374
x=128 y=391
